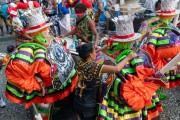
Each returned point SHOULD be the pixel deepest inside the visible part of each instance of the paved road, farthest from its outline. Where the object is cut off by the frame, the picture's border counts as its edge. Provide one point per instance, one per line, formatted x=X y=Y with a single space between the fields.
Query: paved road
x=17 y=112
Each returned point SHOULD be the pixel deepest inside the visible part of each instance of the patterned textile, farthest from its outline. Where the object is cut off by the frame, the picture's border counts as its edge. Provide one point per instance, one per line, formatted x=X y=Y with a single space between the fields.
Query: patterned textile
x=62 y=64
x=164 y=43
x=28 y=61
x=119 y=103
x=44 y=110
x=86 y=93
x=83 y=30
x=89 y=76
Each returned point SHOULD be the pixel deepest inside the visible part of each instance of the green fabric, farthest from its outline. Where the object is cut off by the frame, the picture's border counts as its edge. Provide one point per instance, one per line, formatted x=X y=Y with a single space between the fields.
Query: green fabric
x=122 y=55
x=83 y=27
x=40 y=38
x=28 y=58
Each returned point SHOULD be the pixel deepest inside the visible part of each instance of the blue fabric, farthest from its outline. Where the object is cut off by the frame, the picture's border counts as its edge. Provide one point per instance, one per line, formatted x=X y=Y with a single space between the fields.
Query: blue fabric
x=63 y=9
x=4 y=10
x=102 y=16
x=117 y=13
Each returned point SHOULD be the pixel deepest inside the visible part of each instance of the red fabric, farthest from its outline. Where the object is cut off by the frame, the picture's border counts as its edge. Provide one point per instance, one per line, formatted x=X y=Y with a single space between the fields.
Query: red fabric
x=169 y=52
x=11 y=8
x=172 y=11
x=21 y=5
x=136 y=91
x=110 y=40
x=67 y=5
x=154 y=114
x=22 y=74
x=87 y=3
x=36 y=27
x=36 y=4
x=46 y=99
x=123 y=37
x=158 y=55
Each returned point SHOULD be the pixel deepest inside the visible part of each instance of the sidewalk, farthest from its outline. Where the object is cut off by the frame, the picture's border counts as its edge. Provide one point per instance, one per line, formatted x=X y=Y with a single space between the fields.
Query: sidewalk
x=6 y=36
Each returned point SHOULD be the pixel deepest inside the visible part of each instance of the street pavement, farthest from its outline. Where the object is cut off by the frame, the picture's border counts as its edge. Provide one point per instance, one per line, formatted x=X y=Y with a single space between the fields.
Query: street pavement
x=17 y=112
x=12 y=111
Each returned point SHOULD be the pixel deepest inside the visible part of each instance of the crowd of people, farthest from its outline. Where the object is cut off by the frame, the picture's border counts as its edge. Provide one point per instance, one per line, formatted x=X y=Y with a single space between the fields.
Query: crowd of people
x=111 y=77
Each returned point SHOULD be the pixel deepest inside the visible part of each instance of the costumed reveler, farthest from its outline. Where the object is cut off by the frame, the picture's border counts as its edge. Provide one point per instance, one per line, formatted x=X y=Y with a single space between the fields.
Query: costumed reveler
x=132 y=92
x=163 y=41
x=42 y=72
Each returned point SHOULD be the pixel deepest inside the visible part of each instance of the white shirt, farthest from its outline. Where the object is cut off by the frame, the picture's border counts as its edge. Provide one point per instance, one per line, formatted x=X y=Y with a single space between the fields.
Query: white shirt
x=150 y=5
x=177 y=3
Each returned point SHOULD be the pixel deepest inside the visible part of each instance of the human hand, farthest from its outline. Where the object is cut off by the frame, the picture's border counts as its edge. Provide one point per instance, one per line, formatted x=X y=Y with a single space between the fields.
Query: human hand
x=131 y=55
x=62 y=36
x=104 y=49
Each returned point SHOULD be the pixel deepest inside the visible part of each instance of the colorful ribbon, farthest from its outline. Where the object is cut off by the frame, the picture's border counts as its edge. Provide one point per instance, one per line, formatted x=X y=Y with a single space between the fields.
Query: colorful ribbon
x=110 y=40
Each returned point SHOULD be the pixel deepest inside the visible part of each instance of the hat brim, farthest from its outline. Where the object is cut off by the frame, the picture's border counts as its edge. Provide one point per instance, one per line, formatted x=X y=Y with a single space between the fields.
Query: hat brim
x=159 y=12
x=137 y=10
x=134 y=38
x=38 y=29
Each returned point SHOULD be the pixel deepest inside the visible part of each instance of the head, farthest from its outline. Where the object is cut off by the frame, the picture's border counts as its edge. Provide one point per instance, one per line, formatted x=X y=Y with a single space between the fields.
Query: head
x=80 y=10
x=10 y=48
x=86 y=52
x=21 y=0
x=158 y=5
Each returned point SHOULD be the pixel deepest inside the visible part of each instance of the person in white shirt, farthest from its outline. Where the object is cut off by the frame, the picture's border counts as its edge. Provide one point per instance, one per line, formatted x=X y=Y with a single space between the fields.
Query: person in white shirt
x=150 y=5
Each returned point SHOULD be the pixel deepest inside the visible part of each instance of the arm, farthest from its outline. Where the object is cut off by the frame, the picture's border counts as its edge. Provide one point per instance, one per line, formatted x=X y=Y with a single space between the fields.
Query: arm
x=93 y=29
x=102 y=49
x=73 y=32
x=39 y=80
x=19 y=30
x=110 y=2
x=100 y=6
x=27 y=36
x=119 y=66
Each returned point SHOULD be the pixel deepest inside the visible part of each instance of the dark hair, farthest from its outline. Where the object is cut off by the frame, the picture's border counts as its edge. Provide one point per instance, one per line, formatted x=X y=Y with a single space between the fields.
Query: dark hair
x=80 y=7
x=10 y=48
x=157 y=4
x=22 y=1
x=85 y=50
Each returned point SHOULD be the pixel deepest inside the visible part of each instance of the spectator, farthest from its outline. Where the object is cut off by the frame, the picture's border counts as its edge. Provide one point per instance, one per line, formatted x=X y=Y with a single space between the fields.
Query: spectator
x=1 y=26
x=102 y=5
x=150 y=6
x=4 y=15
x=85 y=27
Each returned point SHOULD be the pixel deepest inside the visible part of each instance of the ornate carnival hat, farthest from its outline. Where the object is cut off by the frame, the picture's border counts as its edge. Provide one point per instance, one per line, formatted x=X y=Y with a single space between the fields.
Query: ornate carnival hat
x=168 y=8
x=33 y=16
x=130 y=7
x=124 y=29
x=35 y=20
